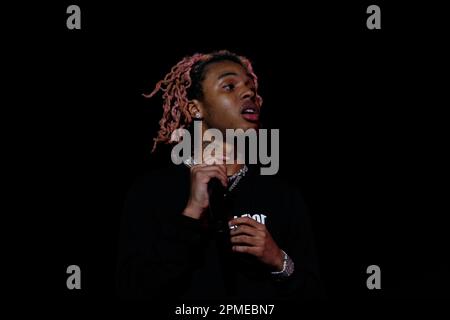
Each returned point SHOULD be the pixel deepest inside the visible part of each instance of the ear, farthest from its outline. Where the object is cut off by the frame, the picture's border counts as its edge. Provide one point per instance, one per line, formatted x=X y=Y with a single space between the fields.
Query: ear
x=195 y=107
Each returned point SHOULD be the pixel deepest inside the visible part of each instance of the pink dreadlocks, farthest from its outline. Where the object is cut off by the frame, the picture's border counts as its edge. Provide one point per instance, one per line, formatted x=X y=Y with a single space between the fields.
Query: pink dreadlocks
x=183 y=83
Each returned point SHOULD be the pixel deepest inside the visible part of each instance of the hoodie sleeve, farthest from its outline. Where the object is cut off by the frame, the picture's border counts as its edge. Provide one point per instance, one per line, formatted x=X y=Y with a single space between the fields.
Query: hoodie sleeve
x=158 y=245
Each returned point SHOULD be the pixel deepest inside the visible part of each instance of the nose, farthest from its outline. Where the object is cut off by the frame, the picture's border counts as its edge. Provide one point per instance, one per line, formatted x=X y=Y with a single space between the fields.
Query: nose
x=248 y=93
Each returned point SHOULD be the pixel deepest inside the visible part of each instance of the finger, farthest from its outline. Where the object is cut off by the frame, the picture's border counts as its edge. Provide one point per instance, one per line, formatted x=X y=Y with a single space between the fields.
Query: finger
x=247 y=221
x=216 y=160
x=195 y=167
x=203 y=166
x=247 y=249
x=243 y=229
x=246 y=240
x=208 y=166
x=218 y=175
x=207 y=173
x=218 y=168
x=221 y=167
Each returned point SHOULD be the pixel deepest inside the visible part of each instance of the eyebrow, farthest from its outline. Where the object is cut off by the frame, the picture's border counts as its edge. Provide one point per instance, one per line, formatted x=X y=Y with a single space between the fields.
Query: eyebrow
x=226 y=74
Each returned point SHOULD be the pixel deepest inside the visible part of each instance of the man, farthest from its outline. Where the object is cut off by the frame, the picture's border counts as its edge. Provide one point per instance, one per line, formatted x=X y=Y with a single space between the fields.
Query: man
x=171 y=246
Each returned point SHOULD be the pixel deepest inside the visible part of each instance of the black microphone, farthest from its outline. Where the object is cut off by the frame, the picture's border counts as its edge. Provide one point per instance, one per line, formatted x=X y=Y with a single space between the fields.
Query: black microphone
x=217 y=205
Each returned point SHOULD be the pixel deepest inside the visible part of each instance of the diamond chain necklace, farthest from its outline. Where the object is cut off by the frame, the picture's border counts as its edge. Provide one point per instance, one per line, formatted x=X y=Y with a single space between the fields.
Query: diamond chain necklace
x=189 y=162
x=237 y=177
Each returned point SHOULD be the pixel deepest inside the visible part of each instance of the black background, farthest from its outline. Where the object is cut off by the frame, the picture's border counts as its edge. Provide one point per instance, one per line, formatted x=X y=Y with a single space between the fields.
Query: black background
x=360 y=114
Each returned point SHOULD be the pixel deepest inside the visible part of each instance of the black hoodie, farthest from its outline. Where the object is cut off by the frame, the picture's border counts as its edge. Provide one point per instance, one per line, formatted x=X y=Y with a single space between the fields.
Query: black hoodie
x=164 y=254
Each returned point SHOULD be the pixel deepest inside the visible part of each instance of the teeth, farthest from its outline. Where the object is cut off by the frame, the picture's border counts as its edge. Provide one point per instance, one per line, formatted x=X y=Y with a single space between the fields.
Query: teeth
x=249 y=111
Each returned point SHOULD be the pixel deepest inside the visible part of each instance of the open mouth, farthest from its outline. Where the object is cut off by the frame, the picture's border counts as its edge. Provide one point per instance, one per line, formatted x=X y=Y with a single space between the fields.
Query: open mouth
x=250 y=112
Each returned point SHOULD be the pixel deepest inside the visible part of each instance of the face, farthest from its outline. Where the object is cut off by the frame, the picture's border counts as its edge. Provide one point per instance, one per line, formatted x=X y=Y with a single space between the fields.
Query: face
x=229 y=98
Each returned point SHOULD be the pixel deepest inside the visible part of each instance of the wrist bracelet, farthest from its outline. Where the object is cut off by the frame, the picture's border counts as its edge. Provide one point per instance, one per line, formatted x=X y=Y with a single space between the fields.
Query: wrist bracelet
x=288 y=267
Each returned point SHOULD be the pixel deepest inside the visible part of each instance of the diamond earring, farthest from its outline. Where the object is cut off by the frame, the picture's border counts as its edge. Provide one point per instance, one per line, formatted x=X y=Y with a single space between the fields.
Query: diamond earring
x=197 y=115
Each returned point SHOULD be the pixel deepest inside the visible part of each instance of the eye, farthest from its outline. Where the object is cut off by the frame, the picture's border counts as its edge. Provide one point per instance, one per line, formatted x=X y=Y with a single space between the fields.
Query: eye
x=229 y=87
